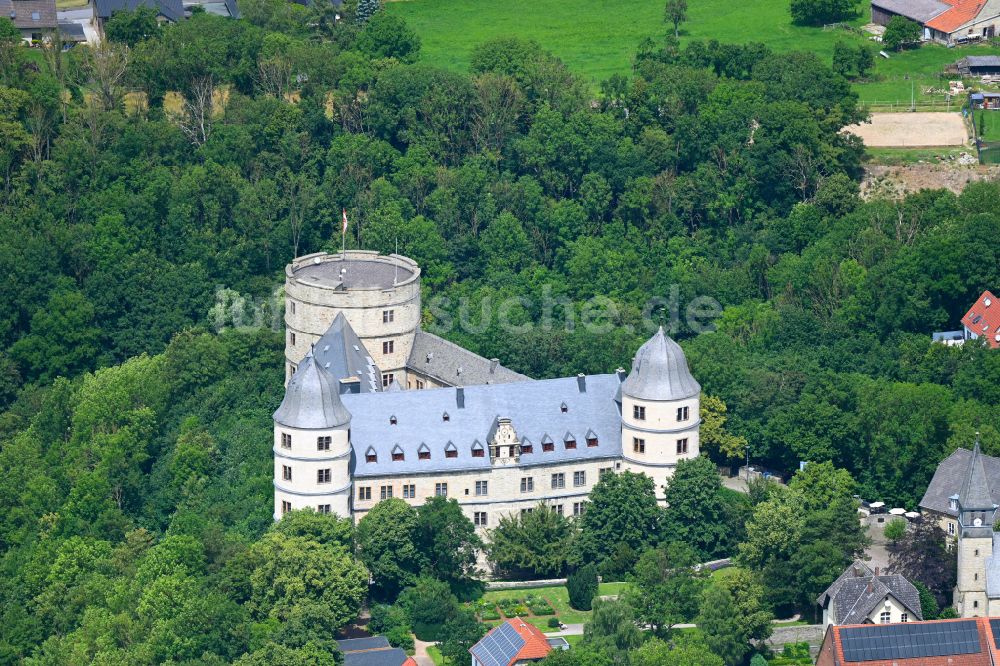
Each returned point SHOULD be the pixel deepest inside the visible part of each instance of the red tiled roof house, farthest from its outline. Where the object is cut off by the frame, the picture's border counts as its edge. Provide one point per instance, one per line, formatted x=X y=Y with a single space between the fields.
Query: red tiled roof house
x=983 y=320
x=944 y=21
x=513 y=643
x=962 y=642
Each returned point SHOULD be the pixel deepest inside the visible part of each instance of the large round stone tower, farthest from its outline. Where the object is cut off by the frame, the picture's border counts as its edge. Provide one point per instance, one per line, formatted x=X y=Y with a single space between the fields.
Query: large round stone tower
x=660 y=418
x=378 y=295
x=312 y=448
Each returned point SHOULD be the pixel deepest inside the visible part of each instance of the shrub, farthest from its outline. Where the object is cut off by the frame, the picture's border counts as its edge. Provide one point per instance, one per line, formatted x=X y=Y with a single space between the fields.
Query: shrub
x=582 y=587
x=899 y=32
x=429 y=604
x=895 y=530
x=553 y=623
x=400 y=637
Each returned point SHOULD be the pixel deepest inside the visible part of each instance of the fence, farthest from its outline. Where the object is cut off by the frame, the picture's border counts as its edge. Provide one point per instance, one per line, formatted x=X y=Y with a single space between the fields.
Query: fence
x=898 y=106
x=988 y=151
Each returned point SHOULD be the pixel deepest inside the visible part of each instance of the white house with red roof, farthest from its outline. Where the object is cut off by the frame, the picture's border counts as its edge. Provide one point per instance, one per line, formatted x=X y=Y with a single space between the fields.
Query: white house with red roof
x=513 y=643
x=944 y=21
x=983 y=320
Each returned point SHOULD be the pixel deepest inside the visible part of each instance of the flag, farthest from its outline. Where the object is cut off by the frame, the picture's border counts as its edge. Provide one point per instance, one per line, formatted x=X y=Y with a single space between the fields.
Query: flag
x=343 y=227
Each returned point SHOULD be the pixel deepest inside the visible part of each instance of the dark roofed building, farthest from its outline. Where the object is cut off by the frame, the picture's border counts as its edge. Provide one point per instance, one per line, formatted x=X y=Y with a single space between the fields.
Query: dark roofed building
x=71 y=33
x=166 y=10
x=446 y=363
x=34 y=18
x=969 y=642
x=861 y=596
x=978 y=65
x=373 y=651
x=940 y=501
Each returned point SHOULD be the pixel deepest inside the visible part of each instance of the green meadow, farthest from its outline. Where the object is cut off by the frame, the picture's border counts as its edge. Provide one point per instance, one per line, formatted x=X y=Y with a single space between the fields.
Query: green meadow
x=598 y=38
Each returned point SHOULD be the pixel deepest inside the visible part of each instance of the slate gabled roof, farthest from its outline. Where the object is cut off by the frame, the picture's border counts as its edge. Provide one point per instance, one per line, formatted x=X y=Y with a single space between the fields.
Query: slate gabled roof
x=373 y=651
x=858 y=591
x=975 y=493
x=341 y=352
x=532 y=406
x=172 y=10
x=30 y=14
x=920 y=11
x=950 y=477
x=452 y=365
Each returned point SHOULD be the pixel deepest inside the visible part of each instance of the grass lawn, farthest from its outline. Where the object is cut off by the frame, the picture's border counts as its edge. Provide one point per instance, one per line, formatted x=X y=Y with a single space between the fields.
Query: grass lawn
x=988 y=125
x=558 y=597
x=435 y=655
x=903 y=156
x=598 y=38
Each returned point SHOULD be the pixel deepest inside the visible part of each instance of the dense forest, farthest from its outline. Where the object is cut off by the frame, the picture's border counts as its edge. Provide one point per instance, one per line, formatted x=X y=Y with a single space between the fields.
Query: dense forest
x=175 y=165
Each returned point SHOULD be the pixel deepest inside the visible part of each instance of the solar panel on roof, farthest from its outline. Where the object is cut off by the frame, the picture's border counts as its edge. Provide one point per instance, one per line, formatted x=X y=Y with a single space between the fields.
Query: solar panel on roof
x=995 y=626
x=909 y=641
x=499 y=647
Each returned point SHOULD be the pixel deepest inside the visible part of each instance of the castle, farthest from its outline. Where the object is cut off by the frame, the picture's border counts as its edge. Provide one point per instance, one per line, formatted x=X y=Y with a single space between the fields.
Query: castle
x=375 y=407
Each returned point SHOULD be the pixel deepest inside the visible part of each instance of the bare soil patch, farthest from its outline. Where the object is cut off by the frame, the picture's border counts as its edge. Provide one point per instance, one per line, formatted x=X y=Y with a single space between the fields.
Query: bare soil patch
x=912 y=130
x=898 y=181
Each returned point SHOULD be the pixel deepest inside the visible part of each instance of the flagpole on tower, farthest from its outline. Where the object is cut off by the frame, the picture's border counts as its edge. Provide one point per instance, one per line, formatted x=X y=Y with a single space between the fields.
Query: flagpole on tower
x=343 y=233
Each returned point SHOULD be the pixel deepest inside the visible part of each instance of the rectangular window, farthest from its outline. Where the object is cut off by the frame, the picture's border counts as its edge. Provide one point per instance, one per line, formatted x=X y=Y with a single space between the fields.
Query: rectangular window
x=388 y=316
x=479 y=518
x=285 y=507
x=387 y=347
x=548 y=446
x=371 y=457
x=441 y=489
x=638 y=412
x=423 y=455
x=604 y=471
x=420 y=383
x=291 y=338
x=397 y=456
x=323 y=475
x=558 y=508
x=482 y=488
x=478 y=453
x=527 y=484
x=409 y=491
x=286 y=440
x=579 y=479
x=570 y=443
x=323 y=508
x=292 y=303
x=559 y=480
x=385 y=492
x=682 y=446
x=364 y=493
x=579 y=508
x=451 y=453
x=286 y=473
x=951 y=529
x=638 y=445
x=527 y=448
x=323 y=443
x=591 y=442
x=387 y=379
x=884 y=617
x=525 y=512
x=683 y=413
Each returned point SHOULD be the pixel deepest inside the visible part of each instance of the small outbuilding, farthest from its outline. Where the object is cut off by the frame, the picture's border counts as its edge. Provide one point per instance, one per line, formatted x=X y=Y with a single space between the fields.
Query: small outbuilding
x=979 y=66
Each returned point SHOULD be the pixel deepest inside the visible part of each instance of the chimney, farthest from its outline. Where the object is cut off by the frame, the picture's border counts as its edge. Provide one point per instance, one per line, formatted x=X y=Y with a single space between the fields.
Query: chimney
x=870 y=588
x=460 y=396
x=350 y=385
x=621 y=374
x=857 y=572
x=494 y=362
x=581 y=382
x=876 y=571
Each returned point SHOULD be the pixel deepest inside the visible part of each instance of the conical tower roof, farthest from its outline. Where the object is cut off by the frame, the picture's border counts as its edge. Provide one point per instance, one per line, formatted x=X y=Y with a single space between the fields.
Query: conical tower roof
x=660 y=372
x=312 y=400
x=975 y=494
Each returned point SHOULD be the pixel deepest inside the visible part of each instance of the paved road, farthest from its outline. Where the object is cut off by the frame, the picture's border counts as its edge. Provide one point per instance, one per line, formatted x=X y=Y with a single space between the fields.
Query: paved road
x=420 y=653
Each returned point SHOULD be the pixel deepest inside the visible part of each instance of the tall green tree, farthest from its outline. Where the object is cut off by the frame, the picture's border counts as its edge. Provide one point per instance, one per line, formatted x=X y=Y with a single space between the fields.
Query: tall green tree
x=446 y=540
x=386 y=538
x=536 y=544
x=622 y=511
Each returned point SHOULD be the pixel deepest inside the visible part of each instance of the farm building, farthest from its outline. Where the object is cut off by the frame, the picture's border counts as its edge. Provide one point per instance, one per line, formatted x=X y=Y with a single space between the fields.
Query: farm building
x=979 y=66
x=945 y=21
x=984 y=100
x=36 y=19
x=166 y=10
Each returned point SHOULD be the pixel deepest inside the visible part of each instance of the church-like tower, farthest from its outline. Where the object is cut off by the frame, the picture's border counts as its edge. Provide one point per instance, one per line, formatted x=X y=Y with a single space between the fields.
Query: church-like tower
x=659 y=402
x=976 y=514
x=312 y=449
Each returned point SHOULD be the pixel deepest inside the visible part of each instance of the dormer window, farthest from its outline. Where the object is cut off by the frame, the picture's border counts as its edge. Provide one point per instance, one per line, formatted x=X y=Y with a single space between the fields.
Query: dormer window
x=424 y=452
x=450 y=450
x=563 y=408
x=392 y=420
x=526 y=446
x=477 y=450
x=953 y=503
x=592 y=442
x=569 y=441
x=548 y=444
x=397 y=454
x=445 y=417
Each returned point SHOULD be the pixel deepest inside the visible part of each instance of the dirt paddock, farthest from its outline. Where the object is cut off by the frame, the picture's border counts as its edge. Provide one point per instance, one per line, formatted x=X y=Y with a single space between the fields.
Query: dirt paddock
x=912 y=130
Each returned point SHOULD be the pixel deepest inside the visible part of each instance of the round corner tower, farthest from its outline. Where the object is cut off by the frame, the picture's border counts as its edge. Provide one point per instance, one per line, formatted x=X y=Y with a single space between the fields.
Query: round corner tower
x=660 y=410
x=379 y=295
